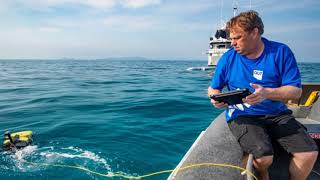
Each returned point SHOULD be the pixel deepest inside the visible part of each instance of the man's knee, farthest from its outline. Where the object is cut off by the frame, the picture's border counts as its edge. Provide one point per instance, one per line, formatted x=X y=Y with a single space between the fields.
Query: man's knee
x=306 y=156
x=264 y=161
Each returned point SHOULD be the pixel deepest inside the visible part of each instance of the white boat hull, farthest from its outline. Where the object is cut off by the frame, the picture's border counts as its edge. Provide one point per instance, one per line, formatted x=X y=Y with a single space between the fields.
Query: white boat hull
x=214 y=56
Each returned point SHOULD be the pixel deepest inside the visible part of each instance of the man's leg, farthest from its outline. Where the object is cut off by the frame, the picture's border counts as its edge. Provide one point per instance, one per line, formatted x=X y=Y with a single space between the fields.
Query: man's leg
x=302 y=164
x=253 y=139
x=261 y=165
x=293 y=137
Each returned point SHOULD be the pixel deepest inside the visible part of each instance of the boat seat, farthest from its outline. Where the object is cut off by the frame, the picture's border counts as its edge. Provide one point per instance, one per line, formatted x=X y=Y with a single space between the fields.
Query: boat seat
x=308 y=110
x=312 y=119
x=312 y=126
x=315 y=111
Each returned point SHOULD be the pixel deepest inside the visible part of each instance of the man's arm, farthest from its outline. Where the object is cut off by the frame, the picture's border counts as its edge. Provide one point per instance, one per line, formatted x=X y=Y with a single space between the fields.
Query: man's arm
x=283 y=93
x=216 y=104
x=213 y=91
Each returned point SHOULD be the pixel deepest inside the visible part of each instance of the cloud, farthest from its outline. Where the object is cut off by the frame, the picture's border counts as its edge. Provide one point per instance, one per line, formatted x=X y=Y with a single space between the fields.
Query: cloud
x=47 y=5
x=282 y=6
x=154 y=23
x=139 y=3
x=188 y=7
x=49 y=29
x=169 y=17
x=99 y=4
x=129 y=22
x=293 y=28
x=29 y=30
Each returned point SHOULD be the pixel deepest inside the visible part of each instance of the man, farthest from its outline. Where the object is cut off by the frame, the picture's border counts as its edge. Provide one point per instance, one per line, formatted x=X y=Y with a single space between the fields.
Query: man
x=269 y=70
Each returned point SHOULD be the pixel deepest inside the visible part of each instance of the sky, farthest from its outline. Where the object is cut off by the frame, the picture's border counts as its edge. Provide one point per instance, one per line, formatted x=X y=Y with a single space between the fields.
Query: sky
x=155 y=29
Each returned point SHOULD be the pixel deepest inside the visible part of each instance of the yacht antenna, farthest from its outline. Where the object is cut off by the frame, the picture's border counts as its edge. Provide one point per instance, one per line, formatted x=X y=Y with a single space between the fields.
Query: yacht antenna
x=221 y=7
x=235 y=8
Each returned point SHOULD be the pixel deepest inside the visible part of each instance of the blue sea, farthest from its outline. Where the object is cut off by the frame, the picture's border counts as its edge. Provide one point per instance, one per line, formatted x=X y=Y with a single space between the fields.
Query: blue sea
x=128 y=117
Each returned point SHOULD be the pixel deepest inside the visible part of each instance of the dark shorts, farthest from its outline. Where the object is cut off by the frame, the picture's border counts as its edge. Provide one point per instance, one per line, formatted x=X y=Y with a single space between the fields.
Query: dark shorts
x=254 y=134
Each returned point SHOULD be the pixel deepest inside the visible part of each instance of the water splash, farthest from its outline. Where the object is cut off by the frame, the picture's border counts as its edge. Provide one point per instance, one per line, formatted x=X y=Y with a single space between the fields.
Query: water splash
x=19 y=155
x=74 y=153
x=19 y=161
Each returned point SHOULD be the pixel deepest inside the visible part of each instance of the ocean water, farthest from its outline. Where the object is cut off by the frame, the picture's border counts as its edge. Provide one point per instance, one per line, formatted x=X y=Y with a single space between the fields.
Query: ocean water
x=128 y=117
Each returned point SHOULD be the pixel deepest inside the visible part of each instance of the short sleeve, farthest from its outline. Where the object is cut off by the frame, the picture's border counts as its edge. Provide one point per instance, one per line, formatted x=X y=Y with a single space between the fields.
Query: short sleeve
x=289 y=69
x=219 y=76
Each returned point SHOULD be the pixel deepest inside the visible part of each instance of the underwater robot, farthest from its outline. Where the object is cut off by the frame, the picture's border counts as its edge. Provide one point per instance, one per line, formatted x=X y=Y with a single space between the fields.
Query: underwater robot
x=17 y=140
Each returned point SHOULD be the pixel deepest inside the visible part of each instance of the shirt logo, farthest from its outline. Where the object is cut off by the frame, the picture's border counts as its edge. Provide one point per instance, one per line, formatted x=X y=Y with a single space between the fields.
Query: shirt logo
x=239 y=107
x=257 y=74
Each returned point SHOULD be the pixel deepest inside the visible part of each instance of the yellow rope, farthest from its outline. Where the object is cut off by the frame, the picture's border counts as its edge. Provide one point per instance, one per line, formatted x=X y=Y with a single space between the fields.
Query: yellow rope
x=146 y=175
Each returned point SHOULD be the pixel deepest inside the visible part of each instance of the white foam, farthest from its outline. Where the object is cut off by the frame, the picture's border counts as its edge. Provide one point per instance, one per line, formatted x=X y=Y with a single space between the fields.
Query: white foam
x=19 y=156
x=4 y=167
x=52 y=155
x=76 y=153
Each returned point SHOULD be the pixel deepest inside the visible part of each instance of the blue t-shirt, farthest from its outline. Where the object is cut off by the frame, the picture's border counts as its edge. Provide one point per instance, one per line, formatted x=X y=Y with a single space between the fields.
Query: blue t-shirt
x=275 y=67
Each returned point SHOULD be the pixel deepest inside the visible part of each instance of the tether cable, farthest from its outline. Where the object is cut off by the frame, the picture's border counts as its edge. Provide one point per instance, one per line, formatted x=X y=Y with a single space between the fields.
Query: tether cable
x=146 y=175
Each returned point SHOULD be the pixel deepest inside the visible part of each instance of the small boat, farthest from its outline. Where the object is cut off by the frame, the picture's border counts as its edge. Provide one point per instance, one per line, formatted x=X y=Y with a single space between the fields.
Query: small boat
x=203 y=68
x=217 y=145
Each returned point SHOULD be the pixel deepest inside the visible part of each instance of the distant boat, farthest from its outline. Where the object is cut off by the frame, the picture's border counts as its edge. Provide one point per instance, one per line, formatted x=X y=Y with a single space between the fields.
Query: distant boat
x=200 y=68
x=219 y=44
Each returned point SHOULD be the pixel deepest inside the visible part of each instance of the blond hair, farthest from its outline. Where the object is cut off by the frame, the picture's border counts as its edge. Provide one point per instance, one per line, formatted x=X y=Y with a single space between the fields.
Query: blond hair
x=246 y=21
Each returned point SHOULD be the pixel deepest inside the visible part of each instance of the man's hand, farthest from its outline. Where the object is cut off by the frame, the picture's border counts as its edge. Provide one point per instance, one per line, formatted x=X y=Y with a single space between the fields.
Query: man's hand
x=283 y=93
x=218 y=104
x=259 y=95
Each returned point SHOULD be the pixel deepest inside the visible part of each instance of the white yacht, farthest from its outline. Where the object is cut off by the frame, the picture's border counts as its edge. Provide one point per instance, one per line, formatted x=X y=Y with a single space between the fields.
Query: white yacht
x=219 y=44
